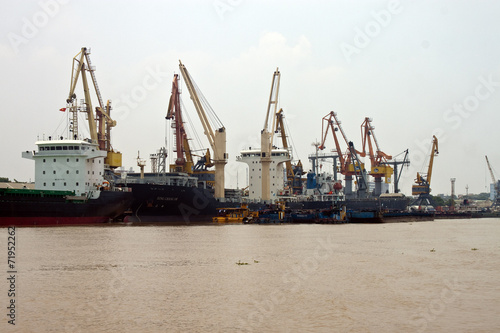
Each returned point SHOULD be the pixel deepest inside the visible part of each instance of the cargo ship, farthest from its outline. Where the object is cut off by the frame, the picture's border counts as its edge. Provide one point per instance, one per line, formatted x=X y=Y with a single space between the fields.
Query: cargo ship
x=72 y=176
x=70 y=188
x=172 y=197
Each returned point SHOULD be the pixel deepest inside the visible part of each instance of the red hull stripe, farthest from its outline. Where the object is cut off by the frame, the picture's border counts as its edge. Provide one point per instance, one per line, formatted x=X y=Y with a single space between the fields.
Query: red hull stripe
x=50 y=221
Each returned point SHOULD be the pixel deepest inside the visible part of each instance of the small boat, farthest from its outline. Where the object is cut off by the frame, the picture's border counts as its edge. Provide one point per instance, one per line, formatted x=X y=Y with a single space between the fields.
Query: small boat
x=240 y=214
x=274 y=214
x=323 y=216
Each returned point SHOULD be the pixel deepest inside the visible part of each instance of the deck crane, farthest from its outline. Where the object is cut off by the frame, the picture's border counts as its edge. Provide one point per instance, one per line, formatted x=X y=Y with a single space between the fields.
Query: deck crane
x=293 y=172
x=347 y=167
x=378 y=158
x=496 y=201
x=184 y=160
x=216 y=138
x=423 y=182
x=100 y=132
x=266 y=137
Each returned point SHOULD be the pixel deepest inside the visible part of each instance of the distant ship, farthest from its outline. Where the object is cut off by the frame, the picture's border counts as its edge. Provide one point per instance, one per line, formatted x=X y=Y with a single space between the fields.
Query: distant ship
x=70 y=188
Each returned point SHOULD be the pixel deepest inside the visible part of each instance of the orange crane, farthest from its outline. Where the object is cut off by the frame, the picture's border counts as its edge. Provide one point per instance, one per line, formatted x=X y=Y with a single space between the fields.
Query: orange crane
x=347 y=167
x=423 y=182
x=378 y=158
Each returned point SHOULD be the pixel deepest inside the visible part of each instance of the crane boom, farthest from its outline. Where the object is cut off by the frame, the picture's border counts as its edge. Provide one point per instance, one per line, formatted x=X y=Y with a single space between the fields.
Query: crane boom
x=79 y=67
x=216 y=139
x=422 y=186
x=496 y=202
x=99 y=133
x=266 y=137
x=184 y=161
x=378 y=158
x=434 y=152
x=491 y=172
x=292 y=172
x=273 y=101
x=331 y=122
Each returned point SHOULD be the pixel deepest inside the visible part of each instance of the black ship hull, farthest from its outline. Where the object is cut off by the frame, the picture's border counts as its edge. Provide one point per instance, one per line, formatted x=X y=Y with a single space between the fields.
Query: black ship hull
x=42 y=208
x=171 y=204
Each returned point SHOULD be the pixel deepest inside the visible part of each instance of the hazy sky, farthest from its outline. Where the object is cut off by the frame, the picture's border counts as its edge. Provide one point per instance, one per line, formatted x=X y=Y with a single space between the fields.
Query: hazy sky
x=417 y=68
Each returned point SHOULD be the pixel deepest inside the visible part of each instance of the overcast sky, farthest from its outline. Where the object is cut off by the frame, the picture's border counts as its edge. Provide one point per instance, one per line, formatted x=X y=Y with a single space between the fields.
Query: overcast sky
x=417 y=68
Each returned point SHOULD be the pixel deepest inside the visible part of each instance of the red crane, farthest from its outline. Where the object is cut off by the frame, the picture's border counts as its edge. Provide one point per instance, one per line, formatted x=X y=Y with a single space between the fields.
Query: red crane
x=184 y=160
x=331 y=122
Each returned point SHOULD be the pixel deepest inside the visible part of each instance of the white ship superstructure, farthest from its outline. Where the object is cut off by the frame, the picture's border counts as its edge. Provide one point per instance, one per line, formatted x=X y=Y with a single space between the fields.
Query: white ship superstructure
x=68 y=165
x=253 y=158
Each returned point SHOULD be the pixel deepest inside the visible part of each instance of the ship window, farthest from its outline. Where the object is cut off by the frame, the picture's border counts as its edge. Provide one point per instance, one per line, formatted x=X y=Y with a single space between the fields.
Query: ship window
x=76 y=183
x=54 y=172
x=77 y=160
x=65 y=147
x=92 y=172
x=67 y=172
x=44 y=160
x=53 y=184
x=77 y=172
x=54 y=159
x=43 y=172
x=70 y=147
x=88 y=172
x=44 y=184
x=77 y=147
x=58 y=148
x=64 y=183
x=67 y=160
x=52 y=148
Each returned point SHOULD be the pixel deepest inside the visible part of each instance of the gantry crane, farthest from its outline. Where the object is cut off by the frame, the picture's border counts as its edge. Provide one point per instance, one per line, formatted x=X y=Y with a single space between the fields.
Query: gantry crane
x=423 y=182
x=216 y=137
x=293 y=172
x=496 y=200
x=100 y=133
x=348 y=167
x=378 y=158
